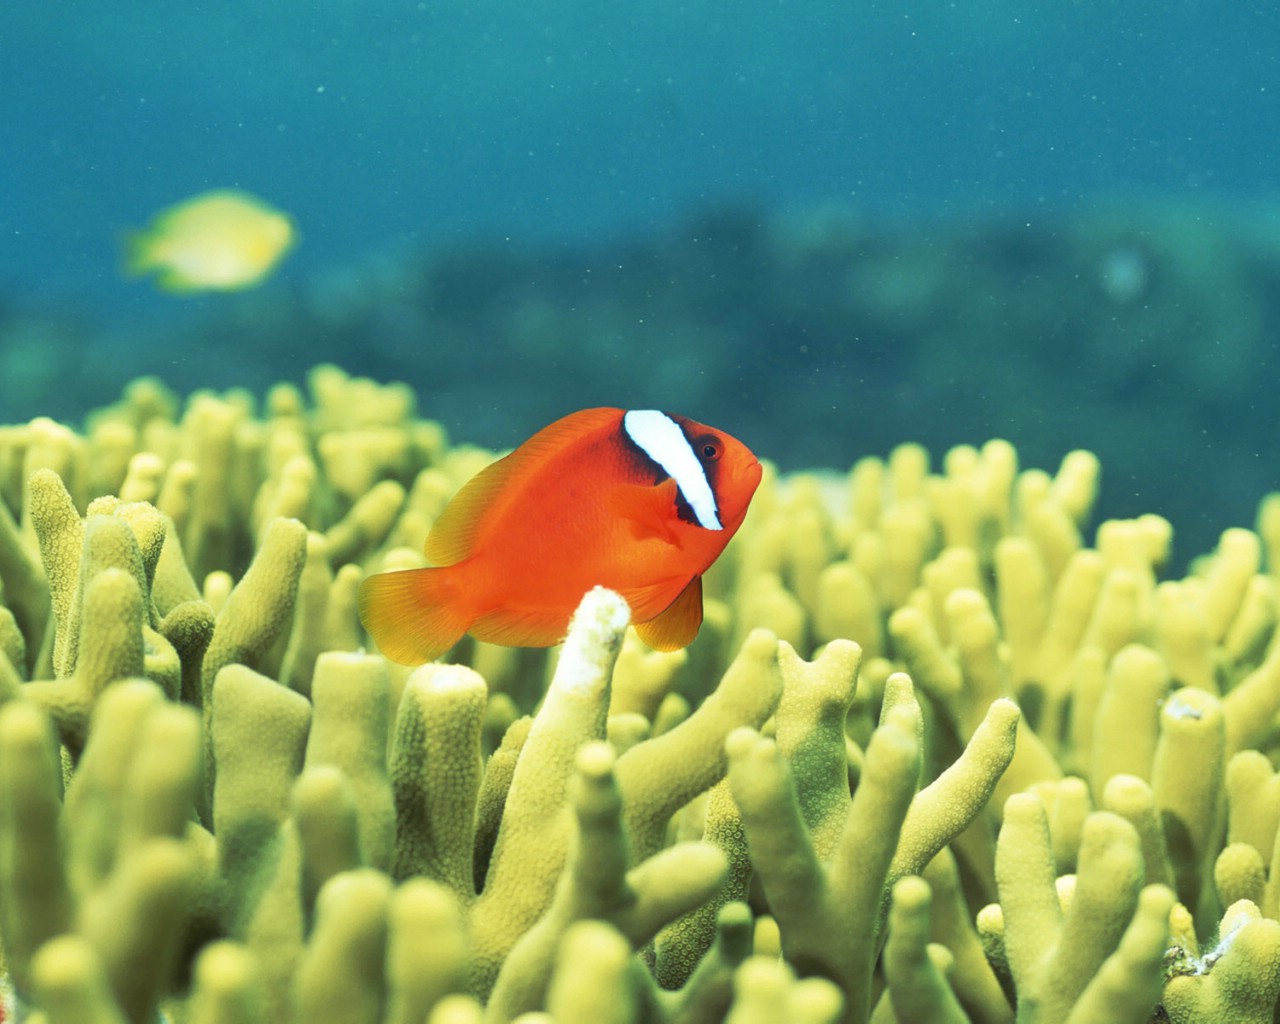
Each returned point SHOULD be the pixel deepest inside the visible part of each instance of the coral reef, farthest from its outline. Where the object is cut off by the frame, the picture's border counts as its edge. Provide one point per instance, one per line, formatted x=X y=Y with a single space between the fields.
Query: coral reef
x=932 y=758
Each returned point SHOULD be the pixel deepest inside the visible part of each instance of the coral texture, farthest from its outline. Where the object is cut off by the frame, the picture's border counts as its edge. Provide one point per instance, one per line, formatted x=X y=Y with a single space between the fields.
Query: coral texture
x=933 y=757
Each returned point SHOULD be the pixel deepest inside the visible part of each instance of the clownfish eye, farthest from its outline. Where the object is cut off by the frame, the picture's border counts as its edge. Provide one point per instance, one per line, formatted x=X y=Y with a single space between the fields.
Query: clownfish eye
x=708 y=448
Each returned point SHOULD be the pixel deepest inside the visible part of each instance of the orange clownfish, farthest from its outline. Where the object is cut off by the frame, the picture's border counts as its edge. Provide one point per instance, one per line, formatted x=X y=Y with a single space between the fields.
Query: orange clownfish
x=641 y=502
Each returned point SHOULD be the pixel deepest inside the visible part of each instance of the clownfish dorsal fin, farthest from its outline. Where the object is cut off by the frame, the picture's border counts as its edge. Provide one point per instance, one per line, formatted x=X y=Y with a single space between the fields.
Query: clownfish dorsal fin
x=676 y=625
x=454 y=535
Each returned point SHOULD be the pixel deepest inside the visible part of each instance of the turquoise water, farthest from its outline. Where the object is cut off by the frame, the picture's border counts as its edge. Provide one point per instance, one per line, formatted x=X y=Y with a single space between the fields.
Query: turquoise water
x=827 y=226
x=402 y=125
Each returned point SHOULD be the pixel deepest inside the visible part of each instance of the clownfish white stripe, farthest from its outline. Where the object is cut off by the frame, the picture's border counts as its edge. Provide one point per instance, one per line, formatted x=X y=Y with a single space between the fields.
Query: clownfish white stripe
x=660 y=437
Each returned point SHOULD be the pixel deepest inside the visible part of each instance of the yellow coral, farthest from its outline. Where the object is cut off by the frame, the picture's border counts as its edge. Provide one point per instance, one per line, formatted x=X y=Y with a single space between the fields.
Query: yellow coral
x=941 y=690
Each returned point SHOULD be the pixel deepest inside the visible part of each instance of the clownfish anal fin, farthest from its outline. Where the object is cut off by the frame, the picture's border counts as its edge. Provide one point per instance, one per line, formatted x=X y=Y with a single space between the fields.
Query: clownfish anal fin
x=677 y=624
x=515 y=628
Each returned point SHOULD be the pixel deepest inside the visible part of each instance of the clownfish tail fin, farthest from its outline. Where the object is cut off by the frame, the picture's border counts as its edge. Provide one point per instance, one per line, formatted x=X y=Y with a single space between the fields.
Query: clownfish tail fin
x=412 y=614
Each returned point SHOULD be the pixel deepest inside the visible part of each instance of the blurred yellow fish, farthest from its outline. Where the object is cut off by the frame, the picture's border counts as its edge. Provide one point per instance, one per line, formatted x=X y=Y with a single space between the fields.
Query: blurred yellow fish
x=217 y=241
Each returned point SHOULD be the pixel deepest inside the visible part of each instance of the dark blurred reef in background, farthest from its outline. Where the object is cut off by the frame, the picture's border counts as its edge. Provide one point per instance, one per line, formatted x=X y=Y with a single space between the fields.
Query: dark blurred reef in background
x=1144 y=332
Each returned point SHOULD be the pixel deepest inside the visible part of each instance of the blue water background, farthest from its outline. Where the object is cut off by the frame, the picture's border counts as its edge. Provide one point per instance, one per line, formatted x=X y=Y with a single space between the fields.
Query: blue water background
x=392 y=129
x=402 y=124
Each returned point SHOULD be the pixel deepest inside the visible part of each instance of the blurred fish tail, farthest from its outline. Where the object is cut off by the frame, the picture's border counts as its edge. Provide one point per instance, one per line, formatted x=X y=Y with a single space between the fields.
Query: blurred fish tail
x=135 y=252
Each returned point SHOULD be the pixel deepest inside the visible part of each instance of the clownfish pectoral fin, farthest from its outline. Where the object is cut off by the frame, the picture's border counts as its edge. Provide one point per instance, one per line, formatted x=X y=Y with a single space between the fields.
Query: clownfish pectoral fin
x=649 y=509
x=677 y=624
x=410 y=614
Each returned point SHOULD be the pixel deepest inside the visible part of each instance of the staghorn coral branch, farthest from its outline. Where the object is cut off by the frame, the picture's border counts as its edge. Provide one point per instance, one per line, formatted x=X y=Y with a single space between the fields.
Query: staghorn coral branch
x=435 y=770
x=35 y=902
x=917 y=990
x=659 y=776
x=816 y=907
x=1129 y=981
x=597 y=884
x=533 y=839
